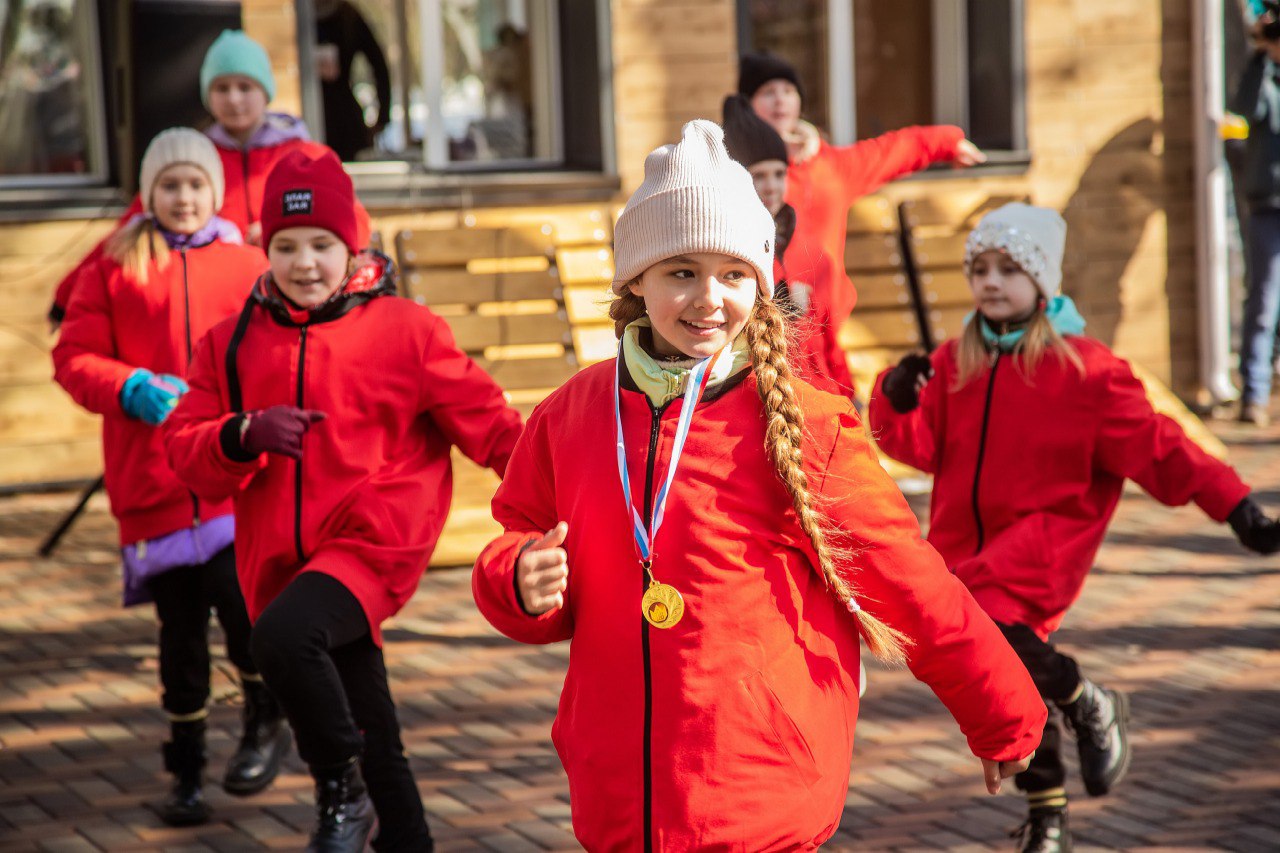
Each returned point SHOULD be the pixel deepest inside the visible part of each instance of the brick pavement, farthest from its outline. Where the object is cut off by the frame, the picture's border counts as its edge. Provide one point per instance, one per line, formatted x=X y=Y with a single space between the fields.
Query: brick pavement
x=1175 y=613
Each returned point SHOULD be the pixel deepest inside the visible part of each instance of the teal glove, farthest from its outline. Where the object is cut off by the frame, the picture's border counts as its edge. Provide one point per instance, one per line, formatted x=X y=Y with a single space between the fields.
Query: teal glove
x=151 y=398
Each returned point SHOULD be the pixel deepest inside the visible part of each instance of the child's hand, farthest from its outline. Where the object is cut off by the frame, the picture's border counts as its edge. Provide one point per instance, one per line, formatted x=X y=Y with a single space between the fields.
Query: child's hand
x=968 y=154
x=278 y=429
x=542 y=572
x=994 y=771
x=1254 y=530
x=905 y=382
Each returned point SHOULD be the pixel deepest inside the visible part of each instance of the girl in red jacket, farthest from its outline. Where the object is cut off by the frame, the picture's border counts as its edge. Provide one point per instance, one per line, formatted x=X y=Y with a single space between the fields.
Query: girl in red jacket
x=165 y=279
x=236 y=85
x=804 y=275
x=326 y=412
x=714 y=534
x=1030 y=430
x=824 y=181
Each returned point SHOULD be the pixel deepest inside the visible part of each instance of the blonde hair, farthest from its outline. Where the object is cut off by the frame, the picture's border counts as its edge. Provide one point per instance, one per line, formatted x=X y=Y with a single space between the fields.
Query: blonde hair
x=767 y=339
x=973 y=354
x=135 y=246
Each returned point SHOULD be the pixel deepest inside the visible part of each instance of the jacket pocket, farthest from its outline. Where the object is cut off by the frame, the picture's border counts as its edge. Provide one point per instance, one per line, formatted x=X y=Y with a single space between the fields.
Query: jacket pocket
x=777 y=722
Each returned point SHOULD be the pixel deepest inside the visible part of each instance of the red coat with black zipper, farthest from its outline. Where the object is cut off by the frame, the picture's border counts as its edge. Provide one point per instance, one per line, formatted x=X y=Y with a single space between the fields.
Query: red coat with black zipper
x=1028 y=471
x=734 y=728
x=817 y=356
x=115 y=325
x=368 y=500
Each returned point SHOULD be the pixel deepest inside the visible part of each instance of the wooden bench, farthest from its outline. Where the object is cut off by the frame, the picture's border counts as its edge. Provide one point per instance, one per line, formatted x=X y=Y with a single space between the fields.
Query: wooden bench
x=501 y=280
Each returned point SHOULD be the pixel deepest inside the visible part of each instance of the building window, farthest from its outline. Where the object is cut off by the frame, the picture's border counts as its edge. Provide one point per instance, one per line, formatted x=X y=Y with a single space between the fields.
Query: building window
x=468 y=84
x=879 y=69
x=51 y=123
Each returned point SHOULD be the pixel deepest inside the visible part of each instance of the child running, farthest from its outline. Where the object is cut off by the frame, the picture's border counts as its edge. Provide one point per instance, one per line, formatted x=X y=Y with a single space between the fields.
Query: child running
x=164 y=279
x=713 y=535
x=804 y=275
x=1030 y=430
x=327 y=411
x=236 y=85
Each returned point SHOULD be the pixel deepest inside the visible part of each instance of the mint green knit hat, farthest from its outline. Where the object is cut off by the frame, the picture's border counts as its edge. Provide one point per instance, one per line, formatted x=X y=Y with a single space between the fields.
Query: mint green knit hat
x=233 y=52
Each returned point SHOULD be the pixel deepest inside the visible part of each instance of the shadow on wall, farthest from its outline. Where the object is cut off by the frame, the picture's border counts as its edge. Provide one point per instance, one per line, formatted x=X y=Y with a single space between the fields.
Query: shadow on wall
x=1106 y=217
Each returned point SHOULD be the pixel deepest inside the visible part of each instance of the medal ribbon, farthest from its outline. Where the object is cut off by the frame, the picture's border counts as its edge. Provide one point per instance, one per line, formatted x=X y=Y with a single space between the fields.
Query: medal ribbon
x=696 y=382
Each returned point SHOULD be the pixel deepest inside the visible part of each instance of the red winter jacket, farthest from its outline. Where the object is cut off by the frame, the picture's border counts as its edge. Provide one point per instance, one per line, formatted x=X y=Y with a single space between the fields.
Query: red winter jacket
x=818 y=356
x=115 y=325
x=732 y=729
x=368 y=500
x=245 y=174
x=823 y=187
x=1028 y=473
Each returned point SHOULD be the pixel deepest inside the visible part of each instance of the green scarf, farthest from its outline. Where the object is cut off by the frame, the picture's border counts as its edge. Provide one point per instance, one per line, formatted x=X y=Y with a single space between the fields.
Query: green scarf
x=662 y=380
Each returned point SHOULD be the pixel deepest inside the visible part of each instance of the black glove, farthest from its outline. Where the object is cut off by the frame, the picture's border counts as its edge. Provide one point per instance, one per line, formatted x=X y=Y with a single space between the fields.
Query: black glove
x=900 y=384
x=1252 y=527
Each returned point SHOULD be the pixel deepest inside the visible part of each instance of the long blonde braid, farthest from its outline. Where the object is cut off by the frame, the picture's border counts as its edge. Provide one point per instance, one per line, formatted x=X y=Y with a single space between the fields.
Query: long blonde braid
x=767 y=339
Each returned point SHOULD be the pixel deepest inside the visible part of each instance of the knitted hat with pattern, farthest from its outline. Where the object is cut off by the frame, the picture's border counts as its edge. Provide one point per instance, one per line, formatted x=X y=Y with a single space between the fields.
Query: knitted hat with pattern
x=1034 y=237
x=694 y=198
x=233 y=52
x=180 y=145
x=306 y=191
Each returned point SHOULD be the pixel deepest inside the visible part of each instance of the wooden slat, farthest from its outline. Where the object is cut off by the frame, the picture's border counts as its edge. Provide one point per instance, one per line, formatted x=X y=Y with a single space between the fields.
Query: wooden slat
x=451 y=286
x=959 y=210
x=594 y=343
x=939 y=249
x=873 y=215
x=43 y=409
x=871 y=252
x=522 y=373
x=882 y=290
x=426 y=248
x=587 y=265
x=475 y=332
x=946 y=288
x=573 y=225
x=588 y=305
x=36 y=462
x=893 y=328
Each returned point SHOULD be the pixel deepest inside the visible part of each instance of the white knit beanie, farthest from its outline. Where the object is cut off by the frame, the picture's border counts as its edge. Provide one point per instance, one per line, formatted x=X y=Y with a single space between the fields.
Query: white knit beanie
x=695 y=198
x=180 y=145
x=1034 y=237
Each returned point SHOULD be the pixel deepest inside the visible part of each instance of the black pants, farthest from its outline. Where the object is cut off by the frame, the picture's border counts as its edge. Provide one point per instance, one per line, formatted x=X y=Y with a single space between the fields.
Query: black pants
x=183 y=597
x=1057 y=677
x=319 y=660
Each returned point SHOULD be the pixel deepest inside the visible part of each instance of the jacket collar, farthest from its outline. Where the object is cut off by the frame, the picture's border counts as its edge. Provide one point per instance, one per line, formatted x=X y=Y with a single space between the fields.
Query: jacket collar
x=375 y=276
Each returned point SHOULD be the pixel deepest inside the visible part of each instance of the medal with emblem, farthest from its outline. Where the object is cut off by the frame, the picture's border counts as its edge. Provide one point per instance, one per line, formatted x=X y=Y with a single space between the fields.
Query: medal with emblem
x=662 y=605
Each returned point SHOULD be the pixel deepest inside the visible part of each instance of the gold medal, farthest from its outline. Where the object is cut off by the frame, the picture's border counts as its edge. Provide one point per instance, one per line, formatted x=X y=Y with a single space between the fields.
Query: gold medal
x=662 y=605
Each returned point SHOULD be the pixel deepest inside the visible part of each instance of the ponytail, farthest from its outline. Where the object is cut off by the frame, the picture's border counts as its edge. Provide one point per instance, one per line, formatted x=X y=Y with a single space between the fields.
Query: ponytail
x=135 y=246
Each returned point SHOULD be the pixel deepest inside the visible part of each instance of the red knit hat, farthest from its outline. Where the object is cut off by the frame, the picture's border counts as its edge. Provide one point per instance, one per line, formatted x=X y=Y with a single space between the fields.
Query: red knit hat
x=310 y=191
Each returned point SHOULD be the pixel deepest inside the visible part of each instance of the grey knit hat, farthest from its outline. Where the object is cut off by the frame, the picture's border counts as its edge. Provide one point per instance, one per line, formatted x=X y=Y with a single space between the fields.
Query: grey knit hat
x=1035 y=237
x=694 y=198
x=180 y=145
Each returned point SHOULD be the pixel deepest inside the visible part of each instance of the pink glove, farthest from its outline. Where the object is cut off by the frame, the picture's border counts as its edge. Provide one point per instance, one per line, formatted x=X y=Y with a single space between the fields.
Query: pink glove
x=278 y=429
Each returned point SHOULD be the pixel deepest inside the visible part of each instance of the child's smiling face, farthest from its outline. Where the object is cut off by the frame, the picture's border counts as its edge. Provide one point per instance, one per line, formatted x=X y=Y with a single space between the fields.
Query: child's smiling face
x=770 y=180
x=182 y=198
x=1002 y=291
x=778 y=103
x=308 y=264
x=698 y=303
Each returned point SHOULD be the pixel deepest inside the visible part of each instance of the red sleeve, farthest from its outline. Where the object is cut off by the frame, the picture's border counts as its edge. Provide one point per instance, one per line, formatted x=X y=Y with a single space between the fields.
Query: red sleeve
x=525 y=507
x=192 y=433
x=1136 y=442
x=84 y=359
x=911 y=438
x=62 y=294
x=870 y=164
x=957 y=650
x=466 y=403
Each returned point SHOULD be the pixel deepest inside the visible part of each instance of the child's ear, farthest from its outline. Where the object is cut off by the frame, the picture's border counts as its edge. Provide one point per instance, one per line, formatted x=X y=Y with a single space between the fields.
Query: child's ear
x=635 y=288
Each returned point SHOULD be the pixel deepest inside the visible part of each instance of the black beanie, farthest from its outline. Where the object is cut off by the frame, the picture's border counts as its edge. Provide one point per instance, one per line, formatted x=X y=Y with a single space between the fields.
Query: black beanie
x=749 y=138
x=756 y=69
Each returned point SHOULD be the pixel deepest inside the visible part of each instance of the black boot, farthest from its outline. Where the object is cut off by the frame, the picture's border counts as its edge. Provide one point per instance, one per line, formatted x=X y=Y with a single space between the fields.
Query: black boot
x=263 y=745
x=345 y=820
x=1099 y=719
x=184 y=757
x=1045 y=831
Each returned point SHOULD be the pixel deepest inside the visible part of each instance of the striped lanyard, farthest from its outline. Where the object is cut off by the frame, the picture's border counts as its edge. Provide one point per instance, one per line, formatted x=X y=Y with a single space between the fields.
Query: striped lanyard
x=697 y=381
